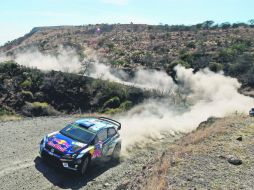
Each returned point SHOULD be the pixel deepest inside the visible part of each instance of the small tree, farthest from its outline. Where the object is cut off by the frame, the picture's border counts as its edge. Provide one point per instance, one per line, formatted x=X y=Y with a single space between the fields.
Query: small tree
x=225 y=25
x=251 y=22
x=207 y=24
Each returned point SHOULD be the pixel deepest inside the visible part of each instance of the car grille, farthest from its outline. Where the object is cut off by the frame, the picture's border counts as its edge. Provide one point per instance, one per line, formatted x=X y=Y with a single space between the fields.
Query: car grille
x=57 y=152
x=51 y=159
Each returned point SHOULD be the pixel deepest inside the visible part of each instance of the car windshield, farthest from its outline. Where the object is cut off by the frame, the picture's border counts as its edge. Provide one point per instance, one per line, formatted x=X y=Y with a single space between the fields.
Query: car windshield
x=78 y=133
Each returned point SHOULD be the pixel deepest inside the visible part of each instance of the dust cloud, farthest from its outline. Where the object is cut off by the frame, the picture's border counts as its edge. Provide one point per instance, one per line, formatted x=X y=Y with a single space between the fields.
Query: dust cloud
x=195 y=97
x=65 y=59
x=202 y=95
x=146 y=79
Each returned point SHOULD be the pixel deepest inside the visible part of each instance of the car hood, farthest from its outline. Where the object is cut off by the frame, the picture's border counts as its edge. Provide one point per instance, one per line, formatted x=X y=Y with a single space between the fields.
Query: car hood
x=64 y=143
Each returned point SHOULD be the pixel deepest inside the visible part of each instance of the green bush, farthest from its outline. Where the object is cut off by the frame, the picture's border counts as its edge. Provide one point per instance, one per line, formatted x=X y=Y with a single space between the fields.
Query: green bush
x=183 y=63
x=40 y=104
x=26 y=84
x=118 y=62
x=3 y=111
x=241 y=65
x=136 y=56
x=38 y=109
x=119 y=52
x=9 y=68
x=215 y=67
x=227 y=54
x=186 y=56
x=191 y=45
x=28 y=95
x=112 y=103
x=237 y=47
x=110 y=46
x=126 y=105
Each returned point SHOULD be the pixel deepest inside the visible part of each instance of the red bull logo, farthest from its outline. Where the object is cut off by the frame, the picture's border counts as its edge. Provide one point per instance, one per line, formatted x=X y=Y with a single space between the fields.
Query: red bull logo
x=59 y=144
x=62 y=142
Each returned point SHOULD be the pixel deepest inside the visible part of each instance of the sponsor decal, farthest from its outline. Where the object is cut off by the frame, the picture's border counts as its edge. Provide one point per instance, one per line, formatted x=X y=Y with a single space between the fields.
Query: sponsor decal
x=78 y=144
x=96 y=153
x=59 y=144
x=97 y=150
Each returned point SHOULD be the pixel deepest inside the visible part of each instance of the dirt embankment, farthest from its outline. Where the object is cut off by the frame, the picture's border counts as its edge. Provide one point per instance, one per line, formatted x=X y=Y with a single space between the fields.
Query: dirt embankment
x=218 y=155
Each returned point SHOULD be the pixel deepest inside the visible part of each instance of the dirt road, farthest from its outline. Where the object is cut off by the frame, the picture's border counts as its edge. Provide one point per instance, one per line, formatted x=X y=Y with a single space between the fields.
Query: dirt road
x=22 y=168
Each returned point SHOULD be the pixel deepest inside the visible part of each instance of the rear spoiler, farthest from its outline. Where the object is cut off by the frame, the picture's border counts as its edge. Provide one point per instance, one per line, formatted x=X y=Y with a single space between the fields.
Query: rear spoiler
x=111 y=121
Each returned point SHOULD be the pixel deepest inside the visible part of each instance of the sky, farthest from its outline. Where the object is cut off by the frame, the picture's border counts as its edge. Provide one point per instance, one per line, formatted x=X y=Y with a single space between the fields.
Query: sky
x=18 y=17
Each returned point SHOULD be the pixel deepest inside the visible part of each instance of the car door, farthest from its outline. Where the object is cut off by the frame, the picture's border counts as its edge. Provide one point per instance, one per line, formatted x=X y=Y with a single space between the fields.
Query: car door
x=112 y=135
x=107 y=144
x=101 y=143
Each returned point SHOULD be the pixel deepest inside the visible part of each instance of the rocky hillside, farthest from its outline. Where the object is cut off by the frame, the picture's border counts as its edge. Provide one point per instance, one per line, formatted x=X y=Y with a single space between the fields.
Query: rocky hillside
x=218 y=155
x=220 y=47
x=31 y=92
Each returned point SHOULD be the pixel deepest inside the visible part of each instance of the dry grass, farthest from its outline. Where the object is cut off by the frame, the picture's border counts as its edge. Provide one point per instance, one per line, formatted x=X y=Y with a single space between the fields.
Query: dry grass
x=10 y=118
x=158 y=179
x=82 y=115
x=218 y=128
x=190 y=144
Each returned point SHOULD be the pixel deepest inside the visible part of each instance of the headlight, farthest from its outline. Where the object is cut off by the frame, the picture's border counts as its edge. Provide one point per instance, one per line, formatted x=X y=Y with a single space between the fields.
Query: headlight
x=44 y=140
x=80 y=156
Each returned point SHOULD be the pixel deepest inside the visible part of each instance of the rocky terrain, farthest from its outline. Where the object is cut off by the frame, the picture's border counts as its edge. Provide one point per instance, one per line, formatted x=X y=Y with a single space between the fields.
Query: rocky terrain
x=218 y=155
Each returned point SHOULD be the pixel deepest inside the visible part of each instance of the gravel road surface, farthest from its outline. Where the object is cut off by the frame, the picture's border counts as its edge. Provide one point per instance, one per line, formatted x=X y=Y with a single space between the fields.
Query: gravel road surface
x=22 y=168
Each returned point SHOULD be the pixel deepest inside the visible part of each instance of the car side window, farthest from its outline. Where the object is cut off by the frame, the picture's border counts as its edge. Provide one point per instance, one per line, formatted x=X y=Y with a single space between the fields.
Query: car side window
x=111 y=132
x=101 y=136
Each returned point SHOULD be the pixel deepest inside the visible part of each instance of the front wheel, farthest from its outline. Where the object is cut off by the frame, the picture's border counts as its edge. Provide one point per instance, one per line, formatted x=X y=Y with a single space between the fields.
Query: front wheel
x=42 y=156
x=116 y=153
x=84 y=165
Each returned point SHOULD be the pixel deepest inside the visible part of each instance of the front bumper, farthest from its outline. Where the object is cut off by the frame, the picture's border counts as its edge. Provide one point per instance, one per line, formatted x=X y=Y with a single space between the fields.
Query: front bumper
x=57 y=160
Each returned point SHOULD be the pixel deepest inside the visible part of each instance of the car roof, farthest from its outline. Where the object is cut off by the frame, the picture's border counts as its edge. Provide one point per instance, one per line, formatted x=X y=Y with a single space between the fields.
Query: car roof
x=94 y=124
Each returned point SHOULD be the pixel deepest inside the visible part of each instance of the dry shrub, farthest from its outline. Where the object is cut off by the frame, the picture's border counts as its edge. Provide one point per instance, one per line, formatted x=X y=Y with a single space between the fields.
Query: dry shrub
x=158 y=179
x=203 y=133
x=10 y=118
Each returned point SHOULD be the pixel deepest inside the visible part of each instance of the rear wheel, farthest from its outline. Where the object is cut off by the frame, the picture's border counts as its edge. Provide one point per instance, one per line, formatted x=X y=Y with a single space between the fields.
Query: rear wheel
x=84 y=166
x=116 y=153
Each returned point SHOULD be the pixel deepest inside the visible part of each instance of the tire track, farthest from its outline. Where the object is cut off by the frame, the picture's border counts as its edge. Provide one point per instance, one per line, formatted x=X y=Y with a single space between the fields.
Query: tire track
x=15 y=166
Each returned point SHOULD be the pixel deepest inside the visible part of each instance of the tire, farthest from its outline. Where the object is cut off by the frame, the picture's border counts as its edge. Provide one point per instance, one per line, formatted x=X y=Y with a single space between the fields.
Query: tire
x=84 y=165
x=42 y=156
x=116 y=153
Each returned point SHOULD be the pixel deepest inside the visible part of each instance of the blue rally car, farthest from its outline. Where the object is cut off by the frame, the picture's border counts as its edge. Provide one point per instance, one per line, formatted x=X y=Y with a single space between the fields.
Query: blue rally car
x=81 y=142
x=251 y=112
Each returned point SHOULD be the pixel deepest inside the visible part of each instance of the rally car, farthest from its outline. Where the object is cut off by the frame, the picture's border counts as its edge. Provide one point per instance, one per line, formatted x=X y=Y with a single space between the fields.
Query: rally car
x=82 y=142
x=251 y=112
